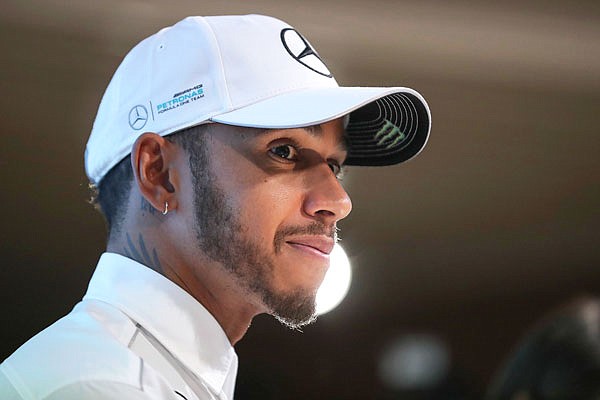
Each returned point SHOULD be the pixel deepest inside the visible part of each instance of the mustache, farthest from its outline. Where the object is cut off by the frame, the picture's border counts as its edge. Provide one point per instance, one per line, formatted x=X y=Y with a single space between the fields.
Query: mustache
x=314 y=228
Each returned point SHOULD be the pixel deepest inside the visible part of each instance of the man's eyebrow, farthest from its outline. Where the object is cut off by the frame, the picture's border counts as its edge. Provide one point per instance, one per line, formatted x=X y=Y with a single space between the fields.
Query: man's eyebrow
x=314 y=130
x=344 y=145
x=317 y=131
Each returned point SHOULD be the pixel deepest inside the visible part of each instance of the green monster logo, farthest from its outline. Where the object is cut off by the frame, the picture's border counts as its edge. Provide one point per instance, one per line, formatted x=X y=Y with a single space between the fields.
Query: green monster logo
x=389 y=131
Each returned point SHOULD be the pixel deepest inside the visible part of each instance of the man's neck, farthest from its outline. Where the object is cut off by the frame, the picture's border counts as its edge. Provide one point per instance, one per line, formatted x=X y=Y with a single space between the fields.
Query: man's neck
x=206 y=282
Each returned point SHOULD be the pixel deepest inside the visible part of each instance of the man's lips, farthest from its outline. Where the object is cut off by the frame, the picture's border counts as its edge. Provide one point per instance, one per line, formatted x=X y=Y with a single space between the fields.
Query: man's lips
x=321 y=244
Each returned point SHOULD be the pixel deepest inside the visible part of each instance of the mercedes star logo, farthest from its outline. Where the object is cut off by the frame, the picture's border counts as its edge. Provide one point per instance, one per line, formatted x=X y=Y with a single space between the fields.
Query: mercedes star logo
x=303 y=52
x=138 y=117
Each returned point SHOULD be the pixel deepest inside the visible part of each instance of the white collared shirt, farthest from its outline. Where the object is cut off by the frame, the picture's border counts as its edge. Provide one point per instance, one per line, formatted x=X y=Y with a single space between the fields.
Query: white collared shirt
x=135 y=335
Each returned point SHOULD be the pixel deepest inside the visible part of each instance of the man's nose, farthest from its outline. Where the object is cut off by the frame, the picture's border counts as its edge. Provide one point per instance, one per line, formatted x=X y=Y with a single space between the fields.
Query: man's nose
x=326 y=199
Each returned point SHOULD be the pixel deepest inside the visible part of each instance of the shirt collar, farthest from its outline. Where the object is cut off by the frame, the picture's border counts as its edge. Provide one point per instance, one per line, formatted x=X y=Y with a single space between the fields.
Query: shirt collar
x=169 y=313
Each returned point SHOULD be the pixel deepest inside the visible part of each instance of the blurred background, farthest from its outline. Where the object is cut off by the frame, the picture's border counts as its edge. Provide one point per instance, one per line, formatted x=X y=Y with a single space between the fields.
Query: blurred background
x=453 y=254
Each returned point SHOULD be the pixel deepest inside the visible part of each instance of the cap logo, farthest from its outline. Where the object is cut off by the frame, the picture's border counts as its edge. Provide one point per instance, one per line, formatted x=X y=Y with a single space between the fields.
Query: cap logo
x=389 y=131
x=138 y=117
x=300 y=50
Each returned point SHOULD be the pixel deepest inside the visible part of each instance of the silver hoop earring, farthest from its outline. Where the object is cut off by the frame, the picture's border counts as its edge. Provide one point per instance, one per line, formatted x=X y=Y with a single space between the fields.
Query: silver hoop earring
x=166 y=208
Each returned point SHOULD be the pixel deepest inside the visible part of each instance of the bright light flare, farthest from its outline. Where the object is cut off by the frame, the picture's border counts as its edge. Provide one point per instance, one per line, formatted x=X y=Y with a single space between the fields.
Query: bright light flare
x=336 y=284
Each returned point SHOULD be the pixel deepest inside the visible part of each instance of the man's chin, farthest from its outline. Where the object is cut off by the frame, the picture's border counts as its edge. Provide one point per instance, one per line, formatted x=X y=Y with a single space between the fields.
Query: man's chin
x=295 y=310
x=296 y=323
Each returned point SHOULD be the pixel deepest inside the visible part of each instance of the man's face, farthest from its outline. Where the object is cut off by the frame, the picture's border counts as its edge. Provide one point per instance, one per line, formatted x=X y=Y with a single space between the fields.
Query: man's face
x=266 y=207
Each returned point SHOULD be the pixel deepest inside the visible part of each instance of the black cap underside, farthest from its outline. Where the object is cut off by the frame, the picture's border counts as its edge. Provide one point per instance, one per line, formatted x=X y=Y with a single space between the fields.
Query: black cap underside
x=387 y=131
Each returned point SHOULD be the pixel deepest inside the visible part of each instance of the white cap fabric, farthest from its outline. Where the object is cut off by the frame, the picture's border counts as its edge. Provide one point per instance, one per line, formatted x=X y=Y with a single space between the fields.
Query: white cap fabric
x=252 y=71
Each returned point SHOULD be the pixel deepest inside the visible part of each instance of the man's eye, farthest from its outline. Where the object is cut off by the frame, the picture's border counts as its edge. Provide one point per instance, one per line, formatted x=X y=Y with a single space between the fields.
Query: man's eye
x=337 y=170
x=285 y=151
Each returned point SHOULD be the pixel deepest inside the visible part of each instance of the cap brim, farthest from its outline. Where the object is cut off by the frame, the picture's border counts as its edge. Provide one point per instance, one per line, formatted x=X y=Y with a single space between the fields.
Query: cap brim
x=387 y=125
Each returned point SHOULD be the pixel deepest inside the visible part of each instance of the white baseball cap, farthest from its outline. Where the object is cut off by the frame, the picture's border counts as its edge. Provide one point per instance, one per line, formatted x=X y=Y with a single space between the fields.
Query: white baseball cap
x=251 y=71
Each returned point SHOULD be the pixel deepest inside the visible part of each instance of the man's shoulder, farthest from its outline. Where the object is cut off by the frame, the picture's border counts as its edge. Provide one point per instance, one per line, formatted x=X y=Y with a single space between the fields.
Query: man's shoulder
x=90 y=344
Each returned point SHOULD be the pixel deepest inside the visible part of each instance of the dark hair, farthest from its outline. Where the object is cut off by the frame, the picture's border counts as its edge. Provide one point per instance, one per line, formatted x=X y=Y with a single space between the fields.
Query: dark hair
x=559 y=360
x=111 y=195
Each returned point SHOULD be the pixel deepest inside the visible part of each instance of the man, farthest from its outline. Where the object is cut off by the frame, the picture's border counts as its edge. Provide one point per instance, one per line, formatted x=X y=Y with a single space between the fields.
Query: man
x=216 y=153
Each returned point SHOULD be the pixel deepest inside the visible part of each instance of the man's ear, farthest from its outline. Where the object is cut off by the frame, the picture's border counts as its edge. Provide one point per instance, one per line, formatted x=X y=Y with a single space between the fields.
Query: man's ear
x=151 y=160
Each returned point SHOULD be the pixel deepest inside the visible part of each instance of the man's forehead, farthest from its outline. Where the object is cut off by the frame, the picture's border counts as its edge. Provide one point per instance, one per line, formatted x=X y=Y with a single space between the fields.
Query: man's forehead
x=317 y=131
